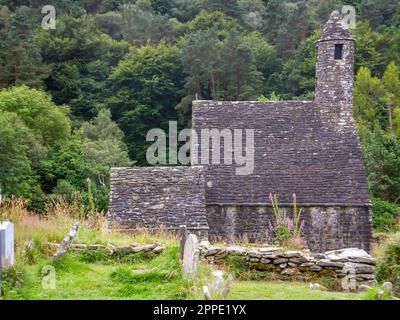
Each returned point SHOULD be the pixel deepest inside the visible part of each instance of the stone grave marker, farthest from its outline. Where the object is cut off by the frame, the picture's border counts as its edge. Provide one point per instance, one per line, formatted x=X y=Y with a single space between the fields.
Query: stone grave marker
x=218 y=288
x=183 y=233
x=217 y=283
x=6 y=245
x=190 y=258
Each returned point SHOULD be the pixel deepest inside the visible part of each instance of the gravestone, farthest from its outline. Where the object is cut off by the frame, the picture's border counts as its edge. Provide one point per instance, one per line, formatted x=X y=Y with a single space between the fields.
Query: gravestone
x=190 y=258
x=206 y=293
x=6 y=245
x=227 y=287
x=217 y=283
x=218 y=288
x=183 y=233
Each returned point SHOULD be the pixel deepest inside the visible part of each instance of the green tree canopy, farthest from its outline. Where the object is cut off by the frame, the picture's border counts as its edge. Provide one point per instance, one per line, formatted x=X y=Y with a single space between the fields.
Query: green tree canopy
x=82 y=58
x=156 y=74
x=20 y=57
x=50 y=123
x=382 y=159
x=15 y=169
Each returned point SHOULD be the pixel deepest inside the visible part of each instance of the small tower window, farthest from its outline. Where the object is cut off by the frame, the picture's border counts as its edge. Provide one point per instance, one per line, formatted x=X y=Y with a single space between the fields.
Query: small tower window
x=338 y=51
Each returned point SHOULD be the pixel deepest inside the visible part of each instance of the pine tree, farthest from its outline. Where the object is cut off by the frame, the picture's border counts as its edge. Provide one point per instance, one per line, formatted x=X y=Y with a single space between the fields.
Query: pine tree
x=20 y=59
x=241 y=79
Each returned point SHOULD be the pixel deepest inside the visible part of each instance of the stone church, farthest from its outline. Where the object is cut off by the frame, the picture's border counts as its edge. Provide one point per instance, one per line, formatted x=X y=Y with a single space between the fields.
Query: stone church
x=307 y=148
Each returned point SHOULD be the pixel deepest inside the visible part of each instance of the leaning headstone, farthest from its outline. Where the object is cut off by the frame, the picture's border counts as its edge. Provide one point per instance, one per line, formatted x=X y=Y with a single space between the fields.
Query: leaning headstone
x=183 y=234
x=218 y=288
x=66 y=243
x=190 y=258
x=6 y=245
x=227 y=287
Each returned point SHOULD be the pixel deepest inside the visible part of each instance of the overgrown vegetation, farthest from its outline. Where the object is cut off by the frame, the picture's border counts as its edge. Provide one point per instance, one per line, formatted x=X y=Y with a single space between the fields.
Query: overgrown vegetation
x=89 y=274
x=287 y=227
x=389 y=268
x=386 y=216
x=94 y=274
x=81 y=98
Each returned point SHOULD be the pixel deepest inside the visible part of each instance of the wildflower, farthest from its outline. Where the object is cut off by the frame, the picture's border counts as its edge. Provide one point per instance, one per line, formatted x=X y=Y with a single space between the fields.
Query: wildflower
x=270 y=227
x=289 y=224
x=271 y=198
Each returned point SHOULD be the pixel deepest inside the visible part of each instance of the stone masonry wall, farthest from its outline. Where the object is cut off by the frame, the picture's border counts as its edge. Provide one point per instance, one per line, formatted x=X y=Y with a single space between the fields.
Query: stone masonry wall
x=325 y=228
x=300 y=265
x=152 y=198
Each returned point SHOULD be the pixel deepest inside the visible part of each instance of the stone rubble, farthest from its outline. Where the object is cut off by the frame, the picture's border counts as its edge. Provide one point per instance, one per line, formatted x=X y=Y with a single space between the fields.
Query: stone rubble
x=339 y=263
x=363 y=288
x=112 y=250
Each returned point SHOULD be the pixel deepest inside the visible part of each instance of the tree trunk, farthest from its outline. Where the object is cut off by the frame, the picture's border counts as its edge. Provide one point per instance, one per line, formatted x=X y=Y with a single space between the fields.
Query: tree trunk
x=198 y=88
x=390 y=118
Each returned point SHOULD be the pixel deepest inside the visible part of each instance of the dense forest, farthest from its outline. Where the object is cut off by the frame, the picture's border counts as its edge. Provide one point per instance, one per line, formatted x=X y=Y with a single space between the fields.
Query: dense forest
x=80 y=98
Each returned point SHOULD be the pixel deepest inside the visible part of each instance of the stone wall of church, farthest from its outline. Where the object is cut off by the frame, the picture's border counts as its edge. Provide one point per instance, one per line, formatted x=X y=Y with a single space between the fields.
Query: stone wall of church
x=156 y=198
x=325 y=228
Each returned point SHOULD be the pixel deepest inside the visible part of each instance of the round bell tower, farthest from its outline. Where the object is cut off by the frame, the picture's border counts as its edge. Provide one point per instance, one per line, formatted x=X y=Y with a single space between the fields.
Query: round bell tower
x=335 y=65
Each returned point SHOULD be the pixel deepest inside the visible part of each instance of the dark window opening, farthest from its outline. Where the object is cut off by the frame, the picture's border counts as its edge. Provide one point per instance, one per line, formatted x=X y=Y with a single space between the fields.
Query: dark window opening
x=338 y=51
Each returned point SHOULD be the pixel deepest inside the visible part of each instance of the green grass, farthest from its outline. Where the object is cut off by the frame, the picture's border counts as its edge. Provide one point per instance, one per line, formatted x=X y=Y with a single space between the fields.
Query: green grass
x=274 y=290
x=371 y=294
x=97 y=281
x=93 y=275
x=117 y=282
x=89 y=283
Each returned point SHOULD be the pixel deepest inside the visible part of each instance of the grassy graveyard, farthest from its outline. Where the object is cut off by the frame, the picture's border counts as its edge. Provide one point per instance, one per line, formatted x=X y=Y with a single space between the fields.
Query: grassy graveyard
x=93 y=274
x=97 y=281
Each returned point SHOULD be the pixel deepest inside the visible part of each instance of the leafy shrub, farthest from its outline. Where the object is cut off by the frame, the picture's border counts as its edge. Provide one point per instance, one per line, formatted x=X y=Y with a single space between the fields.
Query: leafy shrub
x=389 y=268
x=10 y=278
x=385 y=215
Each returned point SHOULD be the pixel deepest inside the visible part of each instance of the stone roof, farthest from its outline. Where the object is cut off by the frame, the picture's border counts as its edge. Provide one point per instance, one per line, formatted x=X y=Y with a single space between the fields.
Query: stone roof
x=157 y=196
x=297 y=150
x=335 y=29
